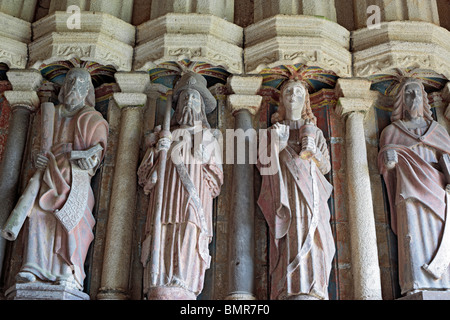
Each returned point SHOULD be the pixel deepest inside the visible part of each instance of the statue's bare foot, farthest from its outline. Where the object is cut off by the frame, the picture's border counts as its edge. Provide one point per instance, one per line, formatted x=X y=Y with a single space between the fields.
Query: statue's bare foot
x=25 y=277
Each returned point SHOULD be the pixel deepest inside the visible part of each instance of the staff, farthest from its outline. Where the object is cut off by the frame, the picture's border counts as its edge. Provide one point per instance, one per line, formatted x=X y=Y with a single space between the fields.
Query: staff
x=163 y=146
x=23 y=208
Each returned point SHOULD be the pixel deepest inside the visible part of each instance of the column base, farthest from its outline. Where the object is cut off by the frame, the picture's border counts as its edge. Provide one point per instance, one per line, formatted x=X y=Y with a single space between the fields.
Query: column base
x=170 y=293
x=302 y=297
x=428 y=295
x=43 y=291
x=111 y=294
x=240 y=296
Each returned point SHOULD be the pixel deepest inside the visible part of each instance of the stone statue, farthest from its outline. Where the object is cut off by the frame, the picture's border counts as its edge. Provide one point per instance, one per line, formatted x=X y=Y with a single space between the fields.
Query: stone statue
x=59 y=200
x=414 y=161
x=175 y=251
x=294 y=201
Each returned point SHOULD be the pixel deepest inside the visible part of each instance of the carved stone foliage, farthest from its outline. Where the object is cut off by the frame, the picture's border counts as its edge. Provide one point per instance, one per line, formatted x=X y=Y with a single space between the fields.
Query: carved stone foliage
x=297 y=39
x=96 y=40
x=175 y=37
x=401 y=44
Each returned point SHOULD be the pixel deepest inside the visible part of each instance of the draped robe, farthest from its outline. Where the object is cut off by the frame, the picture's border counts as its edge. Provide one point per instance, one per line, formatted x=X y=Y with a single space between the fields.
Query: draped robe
x=294 y=202
x=417 y=197
x=51 y=253
x=186 y=232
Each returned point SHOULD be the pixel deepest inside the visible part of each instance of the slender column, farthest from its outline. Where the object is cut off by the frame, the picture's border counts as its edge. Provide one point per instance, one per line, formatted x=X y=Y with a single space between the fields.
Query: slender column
x=23 y=100
x=364 y=252
x=119 y=232
x=241 y=231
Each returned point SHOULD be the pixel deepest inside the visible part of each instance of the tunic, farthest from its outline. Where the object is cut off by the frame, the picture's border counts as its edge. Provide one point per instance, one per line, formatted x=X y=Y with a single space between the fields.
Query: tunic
x=186 y=231
x=51 y=253
x=416 y=191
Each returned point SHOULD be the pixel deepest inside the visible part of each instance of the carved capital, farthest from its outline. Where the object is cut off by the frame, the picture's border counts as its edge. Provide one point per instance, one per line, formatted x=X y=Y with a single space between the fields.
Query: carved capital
x=354 y=96
x=25 y=80
x=244 y=85
x=125 y=100
x=352 y=88
x=133 y=82
x=251 y=103
x=347 y=106
x=27 y=99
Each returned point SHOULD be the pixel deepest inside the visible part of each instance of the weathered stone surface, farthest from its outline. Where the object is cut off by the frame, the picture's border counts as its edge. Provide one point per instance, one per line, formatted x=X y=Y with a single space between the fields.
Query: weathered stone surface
x=285 y=40
x=195 y=37
x=43 y=291
x=401 y=44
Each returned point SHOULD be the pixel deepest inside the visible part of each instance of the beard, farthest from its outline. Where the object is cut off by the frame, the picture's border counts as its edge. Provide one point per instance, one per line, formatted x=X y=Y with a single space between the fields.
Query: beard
x=188 y=116
x=72 y=100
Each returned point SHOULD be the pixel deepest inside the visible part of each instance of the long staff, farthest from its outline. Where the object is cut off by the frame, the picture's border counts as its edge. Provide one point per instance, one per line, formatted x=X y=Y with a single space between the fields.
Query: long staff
x=24 y=206
x=157 y=223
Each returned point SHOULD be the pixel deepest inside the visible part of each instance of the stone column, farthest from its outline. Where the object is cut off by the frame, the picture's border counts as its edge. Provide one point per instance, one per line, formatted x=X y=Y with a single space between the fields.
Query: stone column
x=23 y=100
x=355 y=100
x=119 y=231
x=244 y=104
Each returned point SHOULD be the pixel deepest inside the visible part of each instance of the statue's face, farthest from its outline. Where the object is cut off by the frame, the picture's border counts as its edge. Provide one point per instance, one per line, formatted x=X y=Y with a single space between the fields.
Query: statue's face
x=294 y=96
x=414 y=100
x=76 y=88
x=191 y=106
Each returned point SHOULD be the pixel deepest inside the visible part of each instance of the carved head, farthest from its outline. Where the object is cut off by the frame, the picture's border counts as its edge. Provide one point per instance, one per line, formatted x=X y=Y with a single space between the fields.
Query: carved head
x=294 y=102
x=189 y=108
x=77 y=90
x=411 y=101
x=192 y=100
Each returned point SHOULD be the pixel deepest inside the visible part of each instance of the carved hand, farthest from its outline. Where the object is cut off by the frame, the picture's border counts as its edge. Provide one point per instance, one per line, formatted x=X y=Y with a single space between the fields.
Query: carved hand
x=41 y=162
x=390 y=159
x=87 y=164
x=309 y=148
x=282 y=131
x=201 y=154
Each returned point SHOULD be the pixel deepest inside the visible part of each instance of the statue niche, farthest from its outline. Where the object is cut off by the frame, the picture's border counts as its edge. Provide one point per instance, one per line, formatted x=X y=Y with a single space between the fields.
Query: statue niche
x=182 y=180
x=294 y=200
x=58 y=200
x=414 y=161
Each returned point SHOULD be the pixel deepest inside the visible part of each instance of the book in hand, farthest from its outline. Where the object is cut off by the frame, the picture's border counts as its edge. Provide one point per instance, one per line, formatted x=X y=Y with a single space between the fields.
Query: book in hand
x=85 y=154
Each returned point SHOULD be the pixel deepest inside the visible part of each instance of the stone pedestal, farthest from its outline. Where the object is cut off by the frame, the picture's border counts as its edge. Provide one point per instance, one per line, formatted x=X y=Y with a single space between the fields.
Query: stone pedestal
x=428 y=295
x=43 y=291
